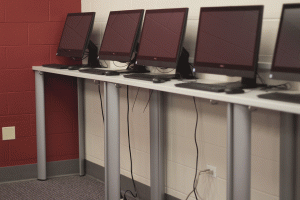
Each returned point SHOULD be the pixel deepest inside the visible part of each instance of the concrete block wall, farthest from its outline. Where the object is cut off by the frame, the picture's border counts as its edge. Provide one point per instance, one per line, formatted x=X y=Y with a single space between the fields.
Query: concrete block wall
x=180 y=116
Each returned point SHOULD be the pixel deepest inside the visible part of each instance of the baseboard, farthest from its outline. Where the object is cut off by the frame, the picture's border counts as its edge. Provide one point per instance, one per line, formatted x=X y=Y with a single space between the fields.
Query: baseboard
x=23 y=172
x=97 y=172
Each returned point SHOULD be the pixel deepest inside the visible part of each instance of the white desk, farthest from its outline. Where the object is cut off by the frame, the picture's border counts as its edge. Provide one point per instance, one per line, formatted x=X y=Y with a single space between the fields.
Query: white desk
x=239 y=133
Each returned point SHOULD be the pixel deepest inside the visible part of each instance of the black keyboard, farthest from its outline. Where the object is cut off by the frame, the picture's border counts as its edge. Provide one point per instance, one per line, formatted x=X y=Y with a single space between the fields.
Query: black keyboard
x=150 y=77
x=56 y=66
x=203 y=86
x=292 y=98
x=102 y=71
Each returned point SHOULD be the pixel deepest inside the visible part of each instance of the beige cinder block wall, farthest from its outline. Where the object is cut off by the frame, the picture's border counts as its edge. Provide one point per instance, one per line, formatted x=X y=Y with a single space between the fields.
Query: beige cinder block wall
x=180 y=154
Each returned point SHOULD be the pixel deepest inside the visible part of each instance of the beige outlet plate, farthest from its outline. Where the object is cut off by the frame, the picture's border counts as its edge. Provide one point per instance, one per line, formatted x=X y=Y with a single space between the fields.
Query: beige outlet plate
x=8 y=133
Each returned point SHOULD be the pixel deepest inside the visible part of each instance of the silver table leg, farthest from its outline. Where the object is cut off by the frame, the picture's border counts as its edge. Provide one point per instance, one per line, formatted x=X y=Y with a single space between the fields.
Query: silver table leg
x=157 y=146
x=112 y=141
x=287 y=156
x=80 y=93
x=239 y=152
x=40 y=125
x=229 y=151
x=297 y=155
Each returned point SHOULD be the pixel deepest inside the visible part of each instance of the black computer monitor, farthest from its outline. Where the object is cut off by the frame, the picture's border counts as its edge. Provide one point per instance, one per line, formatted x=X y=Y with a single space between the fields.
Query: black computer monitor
x=286 y=59
x=121 y=35
x=162 y=37
x=228 y=42
x=75 y=38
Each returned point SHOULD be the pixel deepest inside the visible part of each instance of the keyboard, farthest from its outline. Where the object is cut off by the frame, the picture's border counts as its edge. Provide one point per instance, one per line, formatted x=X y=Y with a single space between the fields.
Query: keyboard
x=150 y=76
x=291 y=98
x=102 y=71
x=56 y=66
x=203 y=86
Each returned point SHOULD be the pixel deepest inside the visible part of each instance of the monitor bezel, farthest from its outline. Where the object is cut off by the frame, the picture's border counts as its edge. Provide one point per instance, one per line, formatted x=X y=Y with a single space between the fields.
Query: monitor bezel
x=122 y=56
x=284 y=73
x=164 y=61
x=74 y=53
x=231 y=69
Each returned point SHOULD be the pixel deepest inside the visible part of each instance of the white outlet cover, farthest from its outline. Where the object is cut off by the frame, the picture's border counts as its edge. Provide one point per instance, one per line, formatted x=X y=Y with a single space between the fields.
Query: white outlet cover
x=8 y=133
x=214 y=169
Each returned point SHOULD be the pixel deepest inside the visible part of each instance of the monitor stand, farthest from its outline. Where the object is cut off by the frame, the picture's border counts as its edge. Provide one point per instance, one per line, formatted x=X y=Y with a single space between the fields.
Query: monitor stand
x=93 y=54
x=136 y=68
x=245 y=83
x=92 y=59
x=183 y=68
x=183 y=71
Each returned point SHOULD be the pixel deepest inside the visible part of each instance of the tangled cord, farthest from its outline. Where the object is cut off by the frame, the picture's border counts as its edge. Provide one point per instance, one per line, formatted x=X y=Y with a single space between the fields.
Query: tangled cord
x=284 y=86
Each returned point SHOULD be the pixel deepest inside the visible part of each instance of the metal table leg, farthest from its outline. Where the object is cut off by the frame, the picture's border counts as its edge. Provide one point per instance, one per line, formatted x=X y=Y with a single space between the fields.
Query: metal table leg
x=157 y=146
x=80 y=93
x=229 y=151
x=239 y=152
x=112 y=141
x=40 y=125
x=287 y=156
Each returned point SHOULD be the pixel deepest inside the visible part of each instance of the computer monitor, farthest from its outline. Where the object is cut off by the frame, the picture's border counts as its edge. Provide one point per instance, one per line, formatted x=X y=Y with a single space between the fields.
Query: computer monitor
x=121 y=35
x=75 y=38
x=286 y=59
x=228 y=42
x=162 y=37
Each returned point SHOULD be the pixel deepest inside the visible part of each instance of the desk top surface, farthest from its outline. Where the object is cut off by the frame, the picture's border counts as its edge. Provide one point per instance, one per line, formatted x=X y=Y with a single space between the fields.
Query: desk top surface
x=249 y=98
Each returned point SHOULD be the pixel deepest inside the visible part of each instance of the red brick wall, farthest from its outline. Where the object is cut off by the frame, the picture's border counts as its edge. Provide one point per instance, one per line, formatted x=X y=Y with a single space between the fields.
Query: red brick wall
x=29 y=35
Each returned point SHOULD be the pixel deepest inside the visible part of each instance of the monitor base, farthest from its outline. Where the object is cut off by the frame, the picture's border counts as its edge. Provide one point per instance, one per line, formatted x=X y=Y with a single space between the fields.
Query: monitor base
x=245 y=83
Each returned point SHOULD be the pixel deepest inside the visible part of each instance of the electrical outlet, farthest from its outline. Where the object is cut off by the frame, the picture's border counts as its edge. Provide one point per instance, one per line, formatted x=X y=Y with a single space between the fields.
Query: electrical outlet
x=8 y=133
x=213 y=170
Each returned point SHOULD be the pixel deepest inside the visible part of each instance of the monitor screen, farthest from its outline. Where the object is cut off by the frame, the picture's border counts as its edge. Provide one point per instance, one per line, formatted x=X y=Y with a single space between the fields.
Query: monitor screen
x=228 y=40
x=121 y=34
x=286 y=60
x=162 y=37
x=76 y=34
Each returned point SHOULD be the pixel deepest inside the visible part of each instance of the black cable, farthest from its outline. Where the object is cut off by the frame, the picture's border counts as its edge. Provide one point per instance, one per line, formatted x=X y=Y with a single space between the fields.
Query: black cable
x=135 y=98
x=101 y=102
x=284 y=86
x=106 y=63
x=261 y=79
x=163 y=71
x=136 y=194
x=118 y=65
x=148 y=100
x=195 y=136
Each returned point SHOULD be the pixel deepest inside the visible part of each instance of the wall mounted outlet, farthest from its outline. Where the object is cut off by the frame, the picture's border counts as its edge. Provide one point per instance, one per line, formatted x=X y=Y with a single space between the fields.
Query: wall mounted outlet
x=213 y=171
x=8 y=133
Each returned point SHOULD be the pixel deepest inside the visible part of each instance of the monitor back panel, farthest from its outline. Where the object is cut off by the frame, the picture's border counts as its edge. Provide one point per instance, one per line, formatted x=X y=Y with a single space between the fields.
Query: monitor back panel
x=286 y=59
x=162 y=37
x=75 y=35
x=120 y=35
x=228 y=40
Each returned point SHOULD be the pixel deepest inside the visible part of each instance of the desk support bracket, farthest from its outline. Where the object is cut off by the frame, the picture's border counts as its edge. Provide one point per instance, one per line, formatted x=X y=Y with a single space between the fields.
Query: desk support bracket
x=239 y=152
x=81 y=128
x=40 y=125
x=112 y=141
x=157 y=146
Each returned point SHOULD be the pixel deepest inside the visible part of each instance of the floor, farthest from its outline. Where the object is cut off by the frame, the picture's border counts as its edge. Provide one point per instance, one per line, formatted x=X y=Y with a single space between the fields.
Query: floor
x=66 y=187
